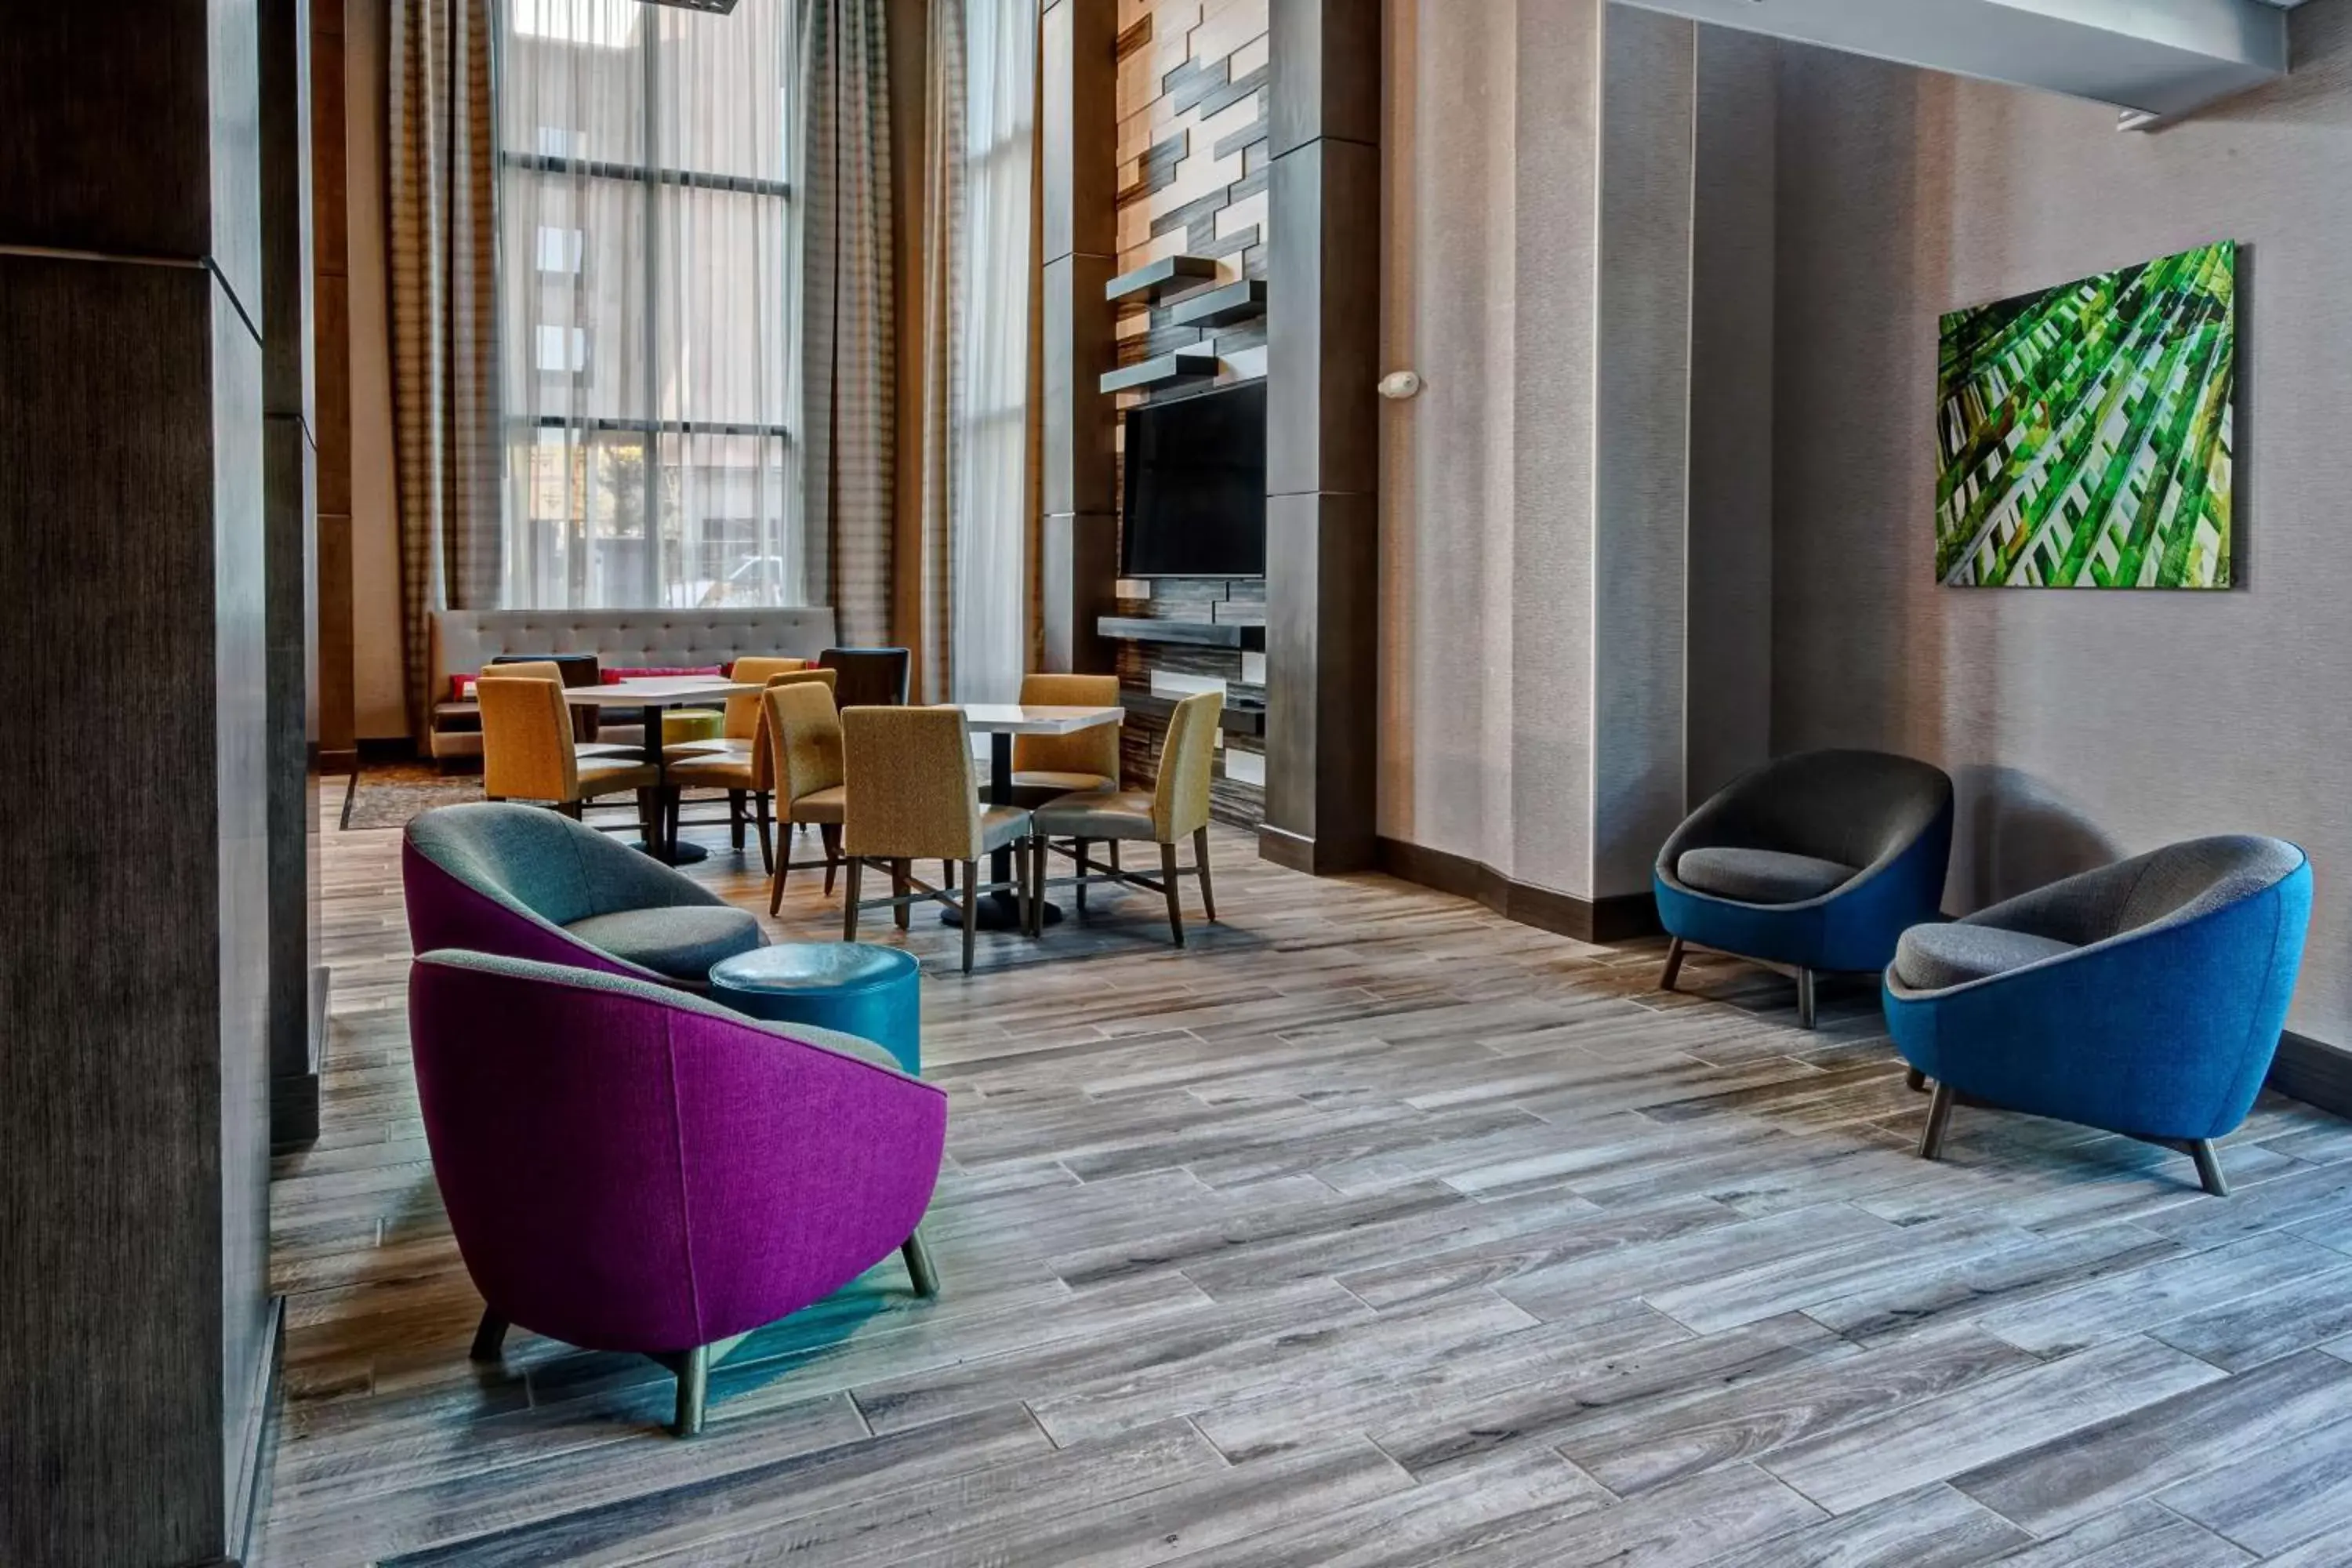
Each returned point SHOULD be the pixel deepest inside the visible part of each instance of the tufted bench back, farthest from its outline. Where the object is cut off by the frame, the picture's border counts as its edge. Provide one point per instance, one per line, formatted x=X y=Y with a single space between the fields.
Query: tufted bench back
x=465 y=640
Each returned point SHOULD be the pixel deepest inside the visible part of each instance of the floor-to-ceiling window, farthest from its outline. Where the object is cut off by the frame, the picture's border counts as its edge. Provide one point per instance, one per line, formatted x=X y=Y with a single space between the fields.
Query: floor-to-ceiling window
x=645 y=262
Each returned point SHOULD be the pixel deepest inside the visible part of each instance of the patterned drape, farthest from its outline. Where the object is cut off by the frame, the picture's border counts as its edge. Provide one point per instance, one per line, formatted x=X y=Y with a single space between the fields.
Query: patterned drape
x=934 y=380
x=848 y=369
x=442 y=175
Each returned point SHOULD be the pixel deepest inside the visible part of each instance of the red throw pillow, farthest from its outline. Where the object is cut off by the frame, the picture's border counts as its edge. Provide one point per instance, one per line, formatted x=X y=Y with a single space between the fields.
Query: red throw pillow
x=616 y=675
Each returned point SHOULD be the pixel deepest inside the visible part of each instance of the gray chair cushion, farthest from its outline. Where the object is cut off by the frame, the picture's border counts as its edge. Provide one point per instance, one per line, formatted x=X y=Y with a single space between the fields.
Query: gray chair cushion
x=1760 y=876
x=1098 y=813
x=2179 y=882
x=682 y=941
x=1930 y=957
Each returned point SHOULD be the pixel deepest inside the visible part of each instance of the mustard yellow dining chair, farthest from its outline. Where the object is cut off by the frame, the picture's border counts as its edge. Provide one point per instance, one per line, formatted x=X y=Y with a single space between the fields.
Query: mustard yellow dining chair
x=583 y=720
x=911 y=794
x=1047 y=766
x=804 y=754
x=1175 y=807
x=740 y=763
x=528 y=753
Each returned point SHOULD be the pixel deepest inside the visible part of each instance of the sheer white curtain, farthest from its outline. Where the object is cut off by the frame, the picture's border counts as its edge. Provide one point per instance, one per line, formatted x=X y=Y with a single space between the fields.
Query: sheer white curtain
x=990 y=410
x=645 y=248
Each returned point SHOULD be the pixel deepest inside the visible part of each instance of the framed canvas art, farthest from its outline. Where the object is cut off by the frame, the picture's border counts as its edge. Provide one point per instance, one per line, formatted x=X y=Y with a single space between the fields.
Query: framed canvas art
x=2083 y=433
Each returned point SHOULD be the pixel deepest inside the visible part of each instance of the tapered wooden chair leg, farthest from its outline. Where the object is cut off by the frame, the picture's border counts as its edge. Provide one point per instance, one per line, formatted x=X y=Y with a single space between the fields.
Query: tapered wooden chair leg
x=970 y=908
x=850 y=901
x=2208 y=1166
x=776 y=876
x=490 y=1338
x=1037 y=887
x=735 y=818
x=1113 y=848
x=1674 y=965
x=1079 y=846
x=693 y=1391
x=829 y=834
x=1916 y=1081
x=1175 y=899
x=767 y=835
x=919 y=1266
x=1939 y=1119
x=1804 y=998
x=1201 y=858
x=900 y=915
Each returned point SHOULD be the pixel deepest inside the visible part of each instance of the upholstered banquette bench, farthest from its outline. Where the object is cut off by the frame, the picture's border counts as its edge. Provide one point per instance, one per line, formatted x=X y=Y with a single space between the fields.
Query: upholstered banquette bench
x=466 y=640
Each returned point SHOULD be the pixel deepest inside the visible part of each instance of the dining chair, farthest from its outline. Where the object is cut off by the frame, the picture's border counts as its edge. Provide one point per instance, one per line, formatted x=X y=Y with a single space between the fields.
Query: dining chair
x=564 y=673
x=528 y=753
x=1175 y=807
x=804 y=732
x=870 y=677
x=912 y=794
x=1045 y=767
x=739 y=763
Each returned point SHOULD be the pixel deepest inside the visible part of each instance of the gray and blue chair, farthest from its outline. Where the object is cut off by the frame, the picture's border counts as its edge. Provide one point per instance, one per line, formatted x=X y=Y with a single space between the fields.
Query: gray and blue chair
x=2144 y=998
x=1817 y=862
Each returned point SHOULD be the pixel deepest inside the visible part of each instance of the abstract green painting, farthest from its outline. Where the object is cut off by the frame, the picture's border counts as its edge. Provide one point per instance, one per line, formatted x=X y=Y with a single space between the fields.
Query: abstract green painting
x=2084 y=432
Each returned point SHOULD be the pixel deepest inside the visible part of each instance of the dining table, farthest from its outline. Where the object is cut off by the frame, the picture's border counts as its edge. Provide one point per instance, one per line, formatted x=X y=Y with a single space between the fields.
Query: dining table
x=999 y=722
x=652 y=696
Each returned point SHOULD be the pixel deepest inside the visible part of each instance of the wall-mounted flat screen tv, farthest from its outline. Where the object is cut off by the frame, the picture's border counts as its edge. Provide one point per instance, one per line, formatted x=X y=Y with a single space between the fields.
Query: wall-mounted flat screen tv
x=1196 y=486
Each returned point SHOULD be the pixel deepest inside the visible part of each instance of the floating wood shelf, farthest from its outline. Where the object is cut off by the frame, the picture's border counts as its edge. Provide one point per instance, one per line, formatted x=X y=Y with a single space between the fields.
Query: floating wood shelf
x=1197 y=633
x=1240 y=302
x=1235 y=721
x=1178 y=369
x=1156 y=281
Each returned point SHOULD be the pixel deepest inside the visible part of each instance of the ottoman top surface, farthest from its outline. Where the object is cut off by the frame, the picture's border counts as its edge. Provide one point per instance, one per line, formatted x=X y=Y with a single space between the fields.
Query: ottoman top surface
x=820 y=967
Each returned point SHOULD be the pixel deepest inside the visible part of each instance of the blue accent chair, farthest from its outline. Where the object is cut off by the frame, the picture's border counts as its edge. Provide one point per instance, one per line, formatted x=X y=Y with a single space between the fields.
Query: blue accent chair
x=1818 y=861
x=2145 y=998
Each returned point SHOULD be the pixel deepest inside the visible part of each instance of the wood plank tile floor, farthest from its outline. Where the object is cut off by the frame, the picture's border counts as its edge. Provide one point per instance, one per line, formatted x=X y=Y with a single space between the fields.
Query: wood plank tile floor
x=1371 y=1229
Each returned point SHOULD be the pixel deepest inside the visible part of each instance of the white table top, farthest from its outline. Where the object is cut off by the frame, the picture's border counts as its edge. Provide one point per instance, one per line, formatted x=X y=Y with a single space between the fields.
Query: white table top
x=656 y=691
x=1015 y=718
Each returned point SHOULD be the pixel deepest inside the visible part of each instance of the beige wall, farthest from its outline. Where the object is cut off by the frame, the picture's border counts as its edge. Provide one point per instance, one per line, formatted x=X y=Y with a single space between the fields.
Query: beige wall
x=380 y=708
x=1524 y=724
x=2078 y=726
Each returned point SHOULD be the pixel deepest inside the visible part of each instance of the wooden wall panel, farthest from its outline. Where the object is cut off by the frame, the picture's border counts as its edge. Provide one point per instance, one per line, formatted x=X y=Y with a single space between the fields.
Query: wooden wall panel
x=112 y=966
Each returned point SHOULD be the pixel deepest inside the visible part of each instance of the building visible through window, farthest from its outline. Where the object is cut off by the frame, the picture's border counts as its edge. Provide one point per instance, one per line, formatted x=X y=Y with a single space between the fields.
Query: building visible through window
x=647 y=274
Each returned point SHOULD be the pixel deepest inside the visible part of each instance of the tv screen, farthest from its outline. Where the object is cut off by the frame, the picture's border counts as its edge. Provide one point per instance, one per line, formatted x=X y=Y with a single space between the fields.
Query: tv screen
x=1196 y=486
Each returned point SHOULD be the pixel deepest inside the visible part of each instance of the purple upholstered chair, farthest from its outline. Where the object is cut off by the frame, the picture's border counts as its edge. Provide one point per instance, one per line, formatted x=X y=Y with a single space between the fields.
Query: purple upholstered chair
x=631 y=1168
x=530 y=883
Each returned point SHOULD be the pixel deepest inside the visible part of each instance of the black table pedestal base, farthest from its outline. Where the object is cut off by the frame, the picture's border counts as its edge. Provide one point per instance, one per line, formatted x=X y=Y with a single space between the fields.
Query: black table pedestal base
x=997 y=911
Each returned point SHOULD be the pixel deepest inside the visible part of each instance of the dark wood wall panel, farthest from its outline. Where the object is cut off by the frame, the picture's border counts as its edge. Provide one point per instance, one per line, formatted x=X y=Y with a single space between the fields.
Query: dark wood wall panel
x=1077 y=536
x=111 y=970
x=289 y=564
x=134 y=898
x=1323 y=471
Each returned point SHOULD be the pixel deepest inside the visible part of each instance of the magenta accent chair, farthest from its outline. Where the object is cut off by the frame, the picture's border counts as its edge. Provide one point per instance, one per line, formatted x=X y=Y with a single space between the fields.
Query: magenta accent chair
x=493 y=876
x=630 y=1168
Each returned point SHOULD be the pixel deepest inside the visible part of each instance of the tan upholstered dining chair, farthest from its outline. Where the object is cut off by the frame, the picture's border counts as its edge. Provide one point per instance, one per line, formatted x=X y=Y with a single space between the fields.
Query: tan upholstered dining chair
x=912 y=794
x=583 y=721
x=1176 y=806
x=805 y=750
x=528 y=753
x=1047 y=766
x=741 y=762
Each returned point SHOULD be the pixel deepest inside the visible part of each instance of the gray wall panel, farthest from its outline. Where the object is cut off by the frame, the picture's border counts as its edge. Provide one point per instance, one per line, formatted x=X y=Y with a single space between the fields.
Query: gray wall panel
x=2078 y=725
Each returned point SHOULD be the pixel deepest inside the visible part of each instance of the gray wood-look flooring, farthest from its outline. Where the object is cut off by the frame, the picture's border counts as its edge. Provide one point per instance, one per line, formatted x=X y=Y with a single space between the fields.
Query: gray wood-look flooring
x=1370 y=1229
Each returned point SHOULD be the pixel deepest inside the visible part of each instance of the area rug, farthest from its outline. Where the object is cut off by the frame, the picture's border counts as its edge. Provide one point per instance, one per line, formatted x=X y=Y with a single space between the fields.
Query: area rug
x=386 y=795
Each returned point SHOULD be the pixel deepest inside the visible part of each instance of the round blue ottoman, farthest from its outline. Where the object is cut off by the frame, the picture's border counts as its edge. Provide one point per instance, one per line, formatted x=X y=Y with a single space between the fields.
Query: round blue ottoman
x=851 y=986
